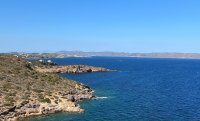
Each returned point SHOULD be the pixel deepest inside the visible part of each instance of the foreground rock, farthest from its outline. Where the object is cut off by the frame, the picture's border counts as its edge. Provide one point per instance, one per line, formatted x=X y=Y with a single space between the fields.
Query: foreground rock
x=25 y=92
x=71 y=69
x=56 y=102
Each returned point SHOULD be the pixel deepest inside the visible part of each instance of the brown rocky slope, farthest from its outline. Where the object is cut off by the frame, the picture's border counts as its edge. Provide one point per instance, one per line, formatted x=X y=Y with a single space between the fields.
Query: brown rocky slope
x=26 y=92
x=70 y=69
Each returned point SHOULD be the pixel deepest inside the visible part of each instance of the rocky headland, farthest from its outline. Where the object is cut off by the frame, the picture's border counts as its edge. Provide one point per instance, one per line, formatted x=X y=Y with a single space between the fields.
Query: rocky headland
x=28 y=88
x=71 y=69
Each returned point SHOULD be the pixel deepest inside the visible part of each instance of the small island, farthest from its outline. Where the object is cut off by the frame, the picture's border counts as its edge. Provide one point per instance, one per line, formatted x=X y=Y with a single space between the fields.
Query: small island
x=28 y=88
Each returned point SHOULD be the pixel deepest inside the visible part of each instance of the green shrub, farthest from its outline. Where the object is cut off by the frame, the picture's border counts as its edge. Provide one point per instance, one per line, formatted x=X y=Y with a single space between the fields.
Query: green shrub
x=47 y=100
x=9 y=99
x=38 y=90
x=9 y=104
x=24 y=102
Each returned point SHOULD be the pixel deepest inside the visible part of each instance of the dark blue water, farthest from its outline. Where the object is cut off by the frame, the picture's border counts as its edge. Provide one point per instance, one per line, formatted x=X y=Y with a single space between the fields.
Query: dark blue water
x=142 y=90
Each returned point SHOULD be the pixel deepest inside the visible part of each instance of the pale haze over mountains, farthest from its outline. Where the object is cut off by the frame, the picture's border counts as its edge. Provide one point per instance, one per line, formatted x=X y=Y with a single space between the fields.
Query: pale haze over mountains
x=125 y=54
x=64 y=54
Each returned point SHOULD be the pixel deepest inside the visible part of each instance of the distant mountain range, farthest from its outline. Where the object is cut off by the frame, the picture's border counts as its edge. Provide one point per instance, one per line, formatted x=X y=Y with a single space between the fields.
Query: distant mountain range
x=124 y=54
x=81 y=53
x=64 y=54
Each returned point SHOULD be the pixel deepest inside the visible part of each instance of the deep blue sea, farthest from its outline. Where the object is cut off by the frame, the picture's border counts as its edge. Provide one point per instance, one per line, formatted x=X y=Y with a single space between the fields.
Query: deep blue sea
x=143 y=89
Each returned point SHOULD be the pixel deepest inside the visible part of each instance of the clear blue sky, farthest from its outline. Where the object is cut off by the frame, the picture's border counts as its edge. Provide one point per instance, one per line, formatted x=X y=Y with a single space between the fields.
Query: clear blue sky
x=100 y=25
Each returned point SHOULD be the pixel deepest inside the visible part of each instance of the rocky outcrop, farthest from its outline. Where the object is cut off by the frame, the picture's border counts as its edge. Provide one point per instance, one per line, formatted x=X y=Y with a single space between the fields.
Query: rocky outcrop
x=58 y=102
x=71 y=69
x=25 y=92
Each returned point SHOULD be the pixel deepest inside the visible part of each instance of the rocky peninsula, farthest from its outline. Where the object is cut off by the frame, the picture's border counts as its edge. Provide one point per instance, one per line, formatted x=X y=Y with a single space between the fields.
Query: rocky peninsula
x=71 y=69
x=28 y=88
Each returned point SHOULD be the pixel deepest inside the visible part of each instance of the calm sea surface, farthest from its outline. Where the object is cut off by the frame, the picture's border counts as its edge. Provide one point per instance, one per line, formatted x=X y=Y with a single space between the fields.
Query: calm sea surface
x=142 y=90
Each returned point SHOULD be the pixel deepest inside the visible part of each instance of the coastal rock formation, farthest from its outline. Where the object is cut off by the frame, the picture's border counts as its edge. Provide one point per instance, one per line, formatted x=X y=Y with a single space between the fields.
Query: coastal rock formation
x=25 y=92
x=57 y=102
x=71 y=69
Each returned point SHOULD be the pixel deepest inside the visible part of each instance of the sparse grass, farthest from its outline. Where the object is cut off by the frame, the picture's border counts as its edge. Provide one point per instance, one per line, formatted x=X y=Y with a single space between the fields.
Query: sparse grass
x=24 y=102
x=19 y=79
x=8 y=104
x=38 y=90
x=12 y=93
x=9 y=101
x=46 y=100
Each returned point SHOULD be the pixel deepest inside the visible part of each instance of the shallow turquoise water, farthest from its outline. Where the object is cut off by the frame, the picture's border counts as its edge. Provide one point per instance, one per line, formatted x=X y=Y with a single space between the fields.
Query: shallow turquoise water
x=142 y=90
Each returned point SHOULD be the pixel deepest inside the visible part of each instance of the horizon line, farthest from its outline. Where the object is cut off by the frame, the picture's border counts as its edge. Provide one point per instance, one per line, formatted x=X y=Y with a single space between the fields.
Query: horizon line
x=57 y=52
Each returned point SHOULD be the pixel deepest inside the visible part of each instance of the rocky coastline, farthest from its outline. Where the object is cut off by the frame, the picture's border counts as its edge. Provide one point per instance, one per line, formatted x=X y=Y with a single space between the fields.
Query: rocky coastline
x=30 y=89
x=58 y=102
x=71 y=69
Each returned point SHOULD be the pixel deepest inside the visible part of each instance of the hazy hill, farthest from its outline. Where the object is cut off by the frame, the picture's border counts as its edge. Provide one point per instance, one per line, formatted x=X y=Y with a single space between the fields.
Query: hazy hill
x=65 y=54
x=124 y=54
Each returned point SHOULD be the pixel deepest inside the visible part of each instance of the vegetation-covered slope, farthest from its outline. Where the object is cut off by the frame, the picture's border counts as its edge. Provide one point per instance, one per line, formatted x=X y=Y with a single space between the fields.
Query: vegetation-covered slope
x=24 y=91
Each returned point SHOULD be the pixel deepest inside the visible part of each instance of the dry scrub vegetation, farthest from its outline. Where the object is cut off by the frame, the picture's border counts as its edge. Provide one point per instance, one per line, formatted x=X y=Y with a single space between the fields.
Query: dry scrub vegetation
x=20 y=83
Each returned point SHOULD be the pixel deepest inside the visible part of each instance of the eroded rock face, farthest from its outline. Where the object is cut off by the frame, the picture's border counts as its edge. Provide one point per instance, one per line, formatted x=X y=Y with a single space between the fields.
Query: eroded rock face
x=71 y=69
x=26 y=92
x=59 y=102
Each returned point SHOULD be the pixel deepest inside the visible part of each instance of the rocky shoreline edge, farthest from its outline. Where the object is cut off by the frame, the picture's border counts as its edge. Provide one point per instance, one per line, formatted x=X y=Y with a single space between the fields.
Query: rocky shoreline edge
x=30 y=89
x=64 y=102
x=71 y=69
